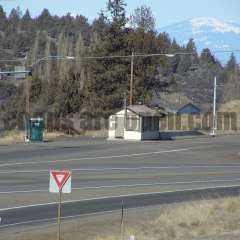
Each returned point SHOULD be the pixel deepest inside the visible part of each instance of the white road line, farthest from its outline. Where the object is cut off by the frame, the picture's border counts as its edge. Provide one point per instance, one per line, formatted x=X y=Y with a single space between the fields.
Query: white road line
x=25 y=191
x=123 y=168
x=130 y=185
x=156 y=184
x=100 y=157
x=55 y=219
x=102 y=198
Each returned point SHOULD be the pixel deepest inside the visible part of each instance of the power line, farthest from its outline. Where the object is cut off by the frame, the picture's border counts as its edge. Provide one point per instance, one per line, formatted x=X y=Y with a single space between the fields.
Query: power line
x=129 y=56
x=169 y=55
x=226 y=51
x=12 y=60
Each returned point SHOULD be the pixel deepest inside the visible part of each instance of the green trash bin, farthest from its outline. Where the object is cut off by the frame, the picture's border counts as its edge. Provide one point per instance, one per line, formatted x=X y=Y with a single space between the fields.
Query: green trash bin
x=36 y=127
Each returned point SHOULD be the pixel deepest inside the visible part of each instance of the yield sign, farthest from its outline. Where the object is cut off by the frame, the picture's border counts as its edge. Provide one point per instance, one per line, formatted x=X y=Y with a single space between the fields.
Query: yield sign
x=60 y=181
x=60 y=177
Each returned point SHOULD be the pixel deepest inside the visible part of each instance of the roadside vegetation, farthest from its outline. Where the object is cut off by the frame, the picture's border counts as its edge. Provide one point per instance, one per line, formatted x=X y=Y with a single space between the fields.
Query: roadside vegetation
x=231 y=106
x=15 y=136
x=206 y=220
x=198 y=220
x=97 y=86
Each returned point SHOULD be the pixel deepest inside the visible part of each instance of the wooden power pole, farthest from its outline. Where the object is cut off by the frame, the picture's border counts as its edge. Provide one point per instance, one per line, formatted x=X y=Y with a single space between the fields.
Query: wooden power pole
x=131 y=80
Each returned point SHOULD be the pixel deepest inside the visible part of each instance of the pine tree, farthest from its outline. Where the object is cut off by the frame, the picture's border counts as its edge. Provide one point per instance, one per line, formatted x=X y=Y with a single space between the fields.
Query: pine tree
x=26 y=22
x=232 y=80
x=48 y=63
x=45 y=21
x=231 y=64
x=62 y=51
x=107 y=78
x=143 y=19
x=80 y=51
x=190 y=59
x=3 y=19
x=117 y=10
x=207 y=57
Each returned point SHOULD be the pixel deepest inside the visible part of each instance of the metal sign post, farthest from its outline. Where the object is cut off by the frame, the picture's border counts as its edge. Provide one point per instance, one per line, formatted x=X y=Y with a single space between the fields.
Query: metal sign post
x=60 y=182
x=59 y=214
x=122 y=221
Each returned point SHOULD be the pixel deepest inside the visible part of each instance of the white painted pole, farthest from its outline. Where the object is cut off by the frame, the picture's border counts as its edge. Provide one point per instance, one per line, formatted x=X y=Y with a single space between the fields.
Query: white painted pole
x=214 y=124
x=131 y=80
x=125 y=111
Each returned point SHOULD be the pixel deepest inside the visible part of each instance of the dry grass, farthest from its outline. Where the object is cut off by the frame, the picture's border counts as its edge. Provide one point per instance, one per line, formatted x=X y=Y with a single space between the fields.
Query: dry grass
x=200 y=220
x=49 y=136
x=15 y=136
x=197 y=220
x=232 y=106
x=96 y=133
x=10 y=137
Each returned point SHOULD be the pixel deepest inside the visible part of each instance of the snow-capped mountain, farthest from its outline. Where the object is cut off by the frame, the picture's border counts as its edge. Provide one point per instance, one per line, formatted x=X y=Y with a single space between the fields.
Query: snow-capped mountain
x=212 y=33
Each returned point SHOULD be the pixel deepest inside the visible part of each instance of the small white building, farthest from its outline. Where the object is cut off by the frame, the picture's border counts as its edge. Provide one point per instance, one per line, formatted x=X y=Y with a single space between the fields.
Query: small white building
x=137 y=122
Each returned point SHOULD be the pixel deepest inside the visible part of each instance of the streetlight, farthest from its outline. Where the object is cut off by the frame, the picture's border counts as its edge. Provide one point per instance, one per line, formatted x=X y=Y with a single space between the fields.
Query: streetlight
x=214 y=123
x=214 y=113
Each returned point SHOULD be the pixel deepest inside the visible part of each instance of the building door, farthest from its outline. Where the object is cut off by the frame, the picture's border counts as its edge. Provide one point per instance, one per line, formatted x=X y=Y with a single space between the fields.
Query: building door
x=119 y=127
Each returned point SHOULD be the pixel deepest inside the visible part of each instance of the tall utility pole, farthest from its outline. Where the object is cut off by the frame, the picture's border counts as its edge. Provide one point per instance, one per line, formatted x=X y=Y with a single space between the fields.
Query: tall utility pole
x=214 y=123
x=27 y=92
x=125 y=109
x=27 y=114
x=131 y=80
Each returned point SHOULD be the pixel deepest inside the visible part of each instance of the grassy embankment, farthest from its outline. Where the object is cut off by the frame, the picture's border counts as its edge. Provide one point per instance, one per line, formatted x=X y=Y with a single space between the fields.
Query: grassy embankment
x=14 y=136
x=206 y=219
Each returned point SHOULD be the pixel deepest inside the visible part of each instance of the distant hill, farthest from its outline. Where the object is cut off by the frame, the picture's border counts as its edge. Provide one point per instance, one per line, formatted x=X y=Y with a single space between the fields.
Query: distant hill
x=212 y=33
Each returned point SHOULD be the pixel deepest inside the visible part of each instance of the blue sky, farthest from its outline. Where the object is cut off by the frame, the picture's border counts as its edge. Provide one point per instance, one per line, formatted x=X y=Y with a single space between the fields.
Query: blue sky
x=166 y=12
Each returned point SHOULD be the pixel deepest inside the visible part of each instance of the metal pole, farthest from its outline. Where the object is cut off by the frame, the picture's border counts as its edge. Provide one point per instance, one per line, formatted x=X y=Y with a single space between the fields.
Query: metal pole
x=125 y=110
x=131 y=80
x=59 y=215
x=214 y=108
x=122 y=222
x=27 y=117
x=27 y=96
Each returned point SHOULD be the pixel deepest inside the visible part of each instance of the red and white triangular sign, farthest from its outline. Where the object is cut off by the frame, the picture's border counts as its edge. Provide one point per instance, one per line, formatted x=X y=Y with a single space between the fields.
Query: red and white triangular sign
x=58 y=180
x=60 y=177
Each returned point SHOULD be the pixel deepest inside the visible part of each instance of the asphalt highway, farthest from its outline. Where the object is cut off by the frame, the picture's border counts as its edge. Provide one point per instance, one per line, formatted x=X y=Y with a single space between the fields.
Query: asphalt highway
x=33 y=215
x=103 y=170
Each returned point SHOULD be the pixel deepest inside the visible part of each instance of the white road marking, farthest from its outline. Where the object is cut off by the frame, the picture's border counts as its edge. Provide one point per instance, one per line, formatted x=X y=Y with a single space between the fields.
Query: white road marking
x=89 y=214
x=130 y=185
x=25 y=191
x=100 y=157
x=55 y=219
x=156 y=184
x=123 y=168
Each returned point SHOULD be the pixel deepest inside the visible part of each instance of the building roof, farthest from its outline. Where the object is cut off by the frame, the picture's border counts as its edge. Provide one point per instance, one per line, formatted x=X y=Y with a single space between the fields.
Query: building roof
x=190 y=104
x=177 y=107
x=143 y=110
